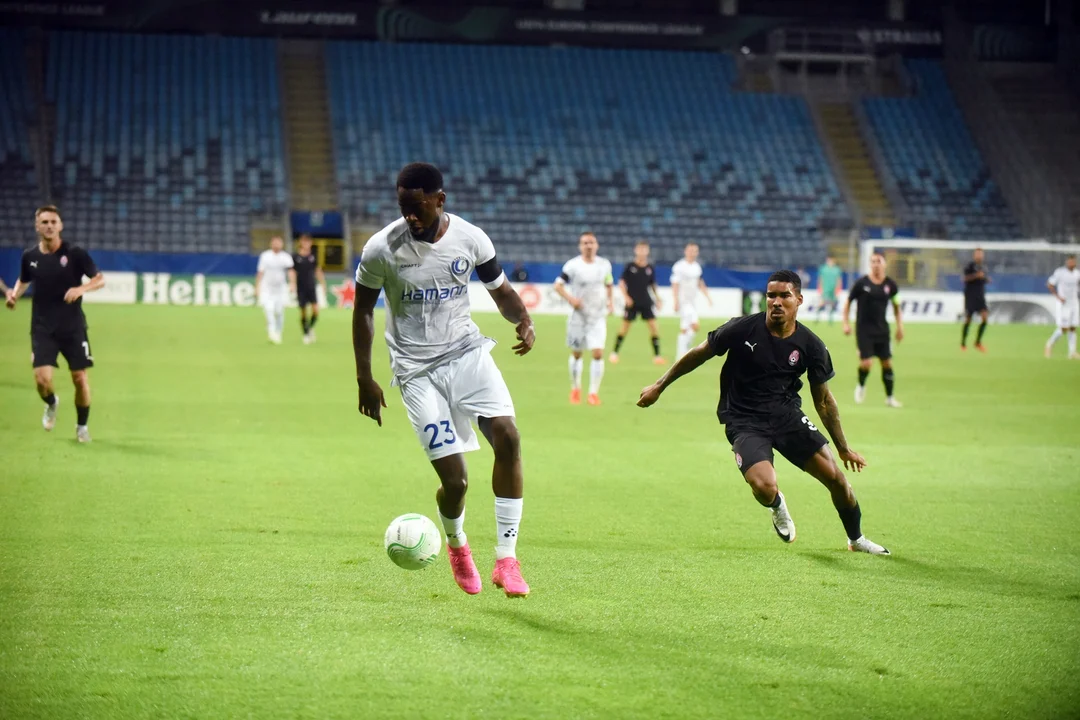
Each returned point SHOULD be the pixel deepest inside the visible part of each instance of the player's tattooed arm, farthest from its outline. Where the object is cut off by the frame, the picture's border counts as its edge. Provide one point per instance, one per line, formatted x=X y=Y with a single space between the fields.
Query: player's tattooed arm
x=513 y=310
x=689 y=362
x=829 y=412
x=899 y=320
x=363 y=326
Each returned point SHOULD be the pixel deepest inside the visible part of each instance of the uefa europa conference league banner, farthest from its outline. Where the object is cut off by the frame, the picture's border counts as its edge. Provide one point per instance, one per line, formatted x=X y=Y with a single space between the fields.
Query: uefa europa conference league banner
x=541 y=298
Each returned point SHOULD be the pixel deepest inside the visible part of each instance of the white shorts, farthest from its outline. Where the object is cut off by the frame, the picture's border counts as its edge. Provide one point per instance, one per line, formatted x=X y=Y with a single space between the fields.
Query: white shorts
x=583 y=335
x=443 y=404
x=688 y=317
x=1069 y=315
x=275 y=301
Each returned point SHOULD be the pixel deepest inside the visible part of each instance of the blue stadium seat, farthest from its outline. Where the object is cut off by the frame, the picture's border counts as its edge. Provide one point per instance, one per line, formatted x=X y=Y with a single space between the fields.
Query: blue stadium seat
x=185 y=129
x=933 y=157
x=546 y=142
x=19 y=193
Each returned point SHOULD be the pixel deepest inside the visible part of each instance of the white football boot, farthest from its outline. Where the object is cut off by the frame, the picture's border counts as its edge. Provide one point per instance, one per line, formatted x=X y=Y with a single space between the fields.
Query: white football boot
x=867 y=546
x=782 y=522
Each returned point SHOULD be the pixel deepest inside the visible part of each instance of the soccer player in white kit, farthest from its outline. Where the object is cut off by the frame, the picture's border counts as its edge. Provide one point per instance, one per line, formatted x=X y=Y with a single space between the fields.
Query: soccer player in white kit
x=685 y=283
x=589 y=279
x=1064 y=284
x=274 y=278
x=442 y=363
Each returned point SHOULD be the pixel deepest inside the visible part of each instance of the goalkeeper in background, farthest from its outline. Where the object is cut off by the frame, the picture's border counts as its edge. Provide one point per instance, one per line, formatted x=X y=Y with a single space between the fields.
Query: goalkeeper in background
x=830 y=285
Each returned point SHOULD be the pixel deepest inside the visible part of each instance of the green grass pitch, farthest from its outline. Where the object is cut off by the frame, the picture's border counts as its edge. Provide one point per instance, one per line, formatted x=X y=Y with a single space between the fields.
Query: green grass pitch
x=217 y=551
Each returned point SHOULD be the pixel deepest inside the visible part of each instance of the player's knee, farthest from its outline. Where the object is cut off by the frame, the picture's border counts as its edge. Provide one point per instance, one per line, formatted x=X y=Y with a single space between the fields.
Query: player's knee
x=505 y=438
x=80 y=378
x=886 y=364
x=597 y=354
x=762 y=483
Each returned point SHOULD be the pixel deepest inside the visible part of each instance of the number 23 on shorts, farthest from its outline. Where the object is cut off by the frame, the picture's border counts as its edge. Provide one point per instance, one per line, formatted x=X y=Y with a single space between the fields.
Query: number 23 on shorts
x=434 y=442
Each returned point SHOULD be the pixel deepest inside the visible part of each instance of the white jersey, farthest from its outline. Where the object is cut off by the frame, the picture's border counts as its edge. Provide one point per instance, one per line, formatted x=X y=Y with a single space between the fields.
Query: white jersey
x=428 y=318
x=274 y=266
x=1067 y=283
x=687 y=275
x=588 y=282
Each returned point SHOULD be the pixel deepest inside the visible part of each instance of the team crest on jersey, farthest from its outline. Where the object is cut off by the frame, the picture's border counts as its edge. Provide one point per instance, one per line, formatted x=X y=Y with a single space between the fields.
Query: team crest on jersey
x=793 y=358
x=63 y=261
x=738 y=460
x=460 y=266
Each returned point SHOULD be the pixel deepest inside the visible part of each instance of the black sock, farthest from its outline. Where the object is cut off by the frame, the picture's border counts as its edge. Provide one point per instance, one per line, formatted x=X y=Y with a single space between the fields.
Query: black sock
x=889 y=380
x=312 y=321
x=982 y=329
x=776 y=501
x=50 y=400
x=656 y=346
x=304 y=324
x=852 y=519
x=83 y=414
x=618 y=342
x=863 y=374
x=963 y=335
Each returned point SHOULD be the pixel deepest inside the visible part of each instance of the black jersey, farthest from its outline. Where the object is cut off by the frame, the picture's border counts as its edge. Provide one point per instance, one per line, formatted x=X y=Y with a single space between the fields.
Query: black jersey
x=305 y=266
x=871 y=316
x=760 y=380
x=638 y=280
x=52 y=275
x=975 y=289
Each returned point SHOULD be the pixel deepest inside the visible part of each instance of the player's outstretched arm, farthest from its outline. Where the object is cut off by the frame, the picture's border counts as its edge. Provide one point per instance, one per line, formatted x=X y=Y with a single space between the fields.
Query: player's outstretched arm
x=513 y=309
x=371 y=395
x=829 y=413
x=686 y=364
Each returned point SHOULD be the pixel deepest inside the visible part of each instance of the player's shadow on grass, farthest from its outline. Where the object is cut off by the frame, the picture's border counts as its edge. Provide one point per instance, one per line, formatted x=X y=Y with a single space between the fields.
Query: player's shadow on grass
x=130 y=447
x=956 y=577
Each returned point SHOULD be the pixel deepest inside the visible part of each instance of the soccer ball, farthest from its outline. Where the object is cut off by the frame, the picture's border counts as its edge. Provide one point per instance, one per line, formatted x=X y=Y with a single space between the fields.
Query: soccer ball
x=413 y=542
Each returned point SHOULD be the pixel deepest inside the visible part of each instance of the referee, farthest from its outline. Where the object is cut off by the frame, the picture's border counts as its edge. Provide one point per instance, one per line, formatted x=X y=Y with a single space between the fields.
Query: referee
x=57 y=323
x=638 y=286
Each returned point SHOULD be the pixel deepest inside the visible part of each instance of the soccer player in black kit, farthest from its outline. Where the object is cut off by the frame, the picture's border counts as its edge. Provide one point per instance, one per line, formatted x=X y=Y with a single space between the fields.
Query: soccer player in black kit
x=874 y=293
x=308 y=273
x=638 y=285
x=767 y=354
x=975 y=280
x=57 y=323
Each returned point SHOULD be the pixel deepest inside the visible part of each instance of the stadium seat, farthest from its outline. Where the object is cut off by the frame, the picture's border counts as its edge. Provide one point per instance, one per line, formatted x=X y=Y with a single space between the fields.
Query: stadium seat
x=547 y=142
x=938 y=168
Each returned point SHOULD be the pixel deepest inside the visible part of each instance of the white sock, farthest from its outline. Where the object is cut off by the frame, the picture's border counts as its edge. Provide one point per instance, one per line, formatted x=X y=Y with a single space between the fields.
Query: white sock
x=686 y=341
x=576 y=365
x=1072 y=342
x=455 y=534
x=270 y=321
x=280 y=317
x=507 y=520
x=596 y=374
x=1055 y=337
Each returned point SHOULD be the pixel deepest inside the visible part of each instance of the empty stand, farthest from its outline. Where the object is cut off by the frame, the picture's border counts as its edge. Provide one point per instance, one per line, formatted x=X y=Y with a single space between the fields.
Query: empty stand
x=538 y=144
x=938 y=168
x=18 y=185
x=165 y=142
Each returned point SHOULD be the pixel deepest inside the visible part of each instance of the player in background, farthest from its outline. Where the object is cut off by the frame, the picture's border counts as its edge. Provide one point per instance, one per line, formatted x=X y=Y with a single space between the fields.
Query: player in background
x=586 y=283
x=275 y=278
x=57 y=322
x=1064 y=285
x=830 y=284
x=874 y=293
x=686 y=282
x=308 y=274
x=975 y=280
x=442 y=363
x=638 y=287
x=767 y=354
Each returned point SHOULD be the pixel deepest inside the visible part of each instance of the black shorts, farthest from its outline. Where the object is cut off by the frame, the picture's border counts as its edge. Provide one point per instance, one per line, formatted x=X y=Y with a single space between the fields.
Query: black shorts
x=871 y=346
x=306 y=296
x=795 y=437
x=45 y=347
x=645 y=311
x=974 y=305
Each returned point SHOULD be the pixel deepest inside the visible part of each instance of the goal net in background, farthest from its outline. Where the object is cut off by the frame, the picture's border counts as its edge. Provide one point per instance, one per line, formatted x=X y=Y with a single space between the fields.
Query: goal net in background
x=930 y=276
